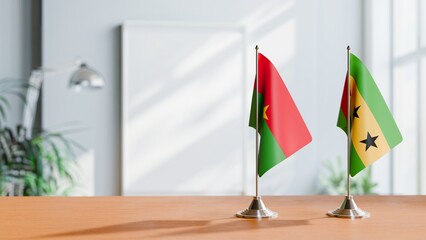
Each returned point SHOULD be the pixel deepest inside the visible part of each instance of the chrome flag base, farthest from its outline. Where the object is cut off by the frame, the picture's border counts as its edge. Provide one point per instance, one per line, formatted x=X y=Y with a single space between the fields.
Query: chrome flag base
x=349 y=209
x=257 y=209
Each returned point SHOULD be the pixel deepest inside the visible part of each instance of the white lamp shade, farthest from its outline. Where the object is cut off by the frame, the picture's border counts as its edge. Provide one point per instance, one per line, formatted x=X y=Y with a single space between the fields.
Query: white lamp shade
x=86 y=77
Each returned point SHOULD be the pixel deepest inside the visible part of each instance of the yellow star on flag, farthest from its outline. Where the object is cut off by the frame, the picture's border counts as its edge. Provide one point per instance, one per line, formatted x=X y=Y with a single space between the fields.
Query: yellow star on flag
x=264 y=112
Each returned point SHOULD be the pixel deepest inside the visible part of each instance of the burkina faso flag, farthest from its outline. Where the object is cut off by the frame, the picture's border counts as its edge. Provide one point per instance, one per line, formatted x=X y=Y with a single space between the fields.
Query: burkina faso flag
x=374 y=131
x=281 y=127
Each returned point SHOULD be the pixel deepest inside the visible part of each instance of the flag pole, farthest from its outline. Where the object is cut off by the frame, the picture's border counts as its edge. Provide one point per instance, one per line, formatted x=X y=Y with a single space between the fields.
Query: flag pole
x=348 y=209
x=257 y=121
x=257 y=208
x=348 y=182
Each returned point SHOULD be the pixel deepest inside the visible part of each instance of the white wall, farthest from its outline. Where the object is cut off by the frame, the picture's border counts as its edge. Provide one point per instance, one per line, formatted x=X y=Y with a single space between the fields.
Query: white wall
x=378 y=58
x=305 y=39
x=395 y=63
x=15 y=47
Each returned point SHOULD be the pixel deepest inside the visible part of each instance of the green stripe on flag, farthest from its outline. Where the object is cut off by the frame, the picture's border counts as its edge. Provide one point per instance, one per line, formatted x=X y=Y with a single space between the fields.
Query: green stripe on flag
x=371 y=94
x=341 y=121
x=270 y=153
x=252 y=120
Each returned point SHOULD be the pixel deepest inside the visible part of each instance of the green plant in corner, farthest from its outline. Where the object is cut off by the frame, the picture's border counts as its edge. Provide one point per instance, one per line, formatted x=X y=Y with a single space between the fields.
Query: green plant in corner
x=333 y=181
x=33 y=166
x=41 y=165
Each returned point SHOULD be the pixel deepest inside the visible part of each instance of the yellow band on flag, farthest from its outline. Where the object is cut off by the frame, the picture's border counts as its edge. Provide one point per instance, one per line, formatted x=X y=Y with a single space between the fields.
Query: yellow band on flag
x=364 y=123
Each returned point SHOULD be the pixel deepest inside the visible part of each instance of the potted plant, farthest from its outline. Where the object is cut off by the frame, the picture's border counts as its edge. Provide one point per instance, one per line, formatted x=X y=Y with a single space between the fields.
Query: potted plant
x=33 y=166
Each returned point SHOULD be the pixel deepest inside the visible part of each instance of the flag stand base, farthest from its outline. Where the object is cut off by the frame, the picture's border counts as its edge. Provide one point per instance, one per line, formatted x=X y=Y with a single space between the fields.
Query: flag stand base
x=348 y=209
x=257 y=209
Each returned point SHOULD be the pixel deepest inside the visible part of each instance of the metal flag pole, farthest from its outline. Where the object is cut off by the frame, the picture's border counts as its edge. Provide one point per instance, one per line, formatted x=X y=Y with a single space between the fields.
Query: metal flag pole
x=349 y=130
x=348 y=209
x=257 y=121
x=257 y=208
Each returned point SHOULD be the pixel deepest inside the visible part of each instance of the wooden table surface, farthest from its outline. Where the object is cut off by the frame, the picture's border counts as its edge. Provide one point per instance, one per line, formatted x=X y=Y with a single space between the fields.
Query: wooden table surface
x=300 y=217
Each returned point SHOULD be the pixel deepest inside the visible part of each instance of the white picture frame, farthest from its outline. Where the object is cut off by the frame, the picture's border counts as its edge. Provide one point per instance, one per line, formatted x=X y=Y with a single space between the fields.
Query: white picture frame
x=198 y=148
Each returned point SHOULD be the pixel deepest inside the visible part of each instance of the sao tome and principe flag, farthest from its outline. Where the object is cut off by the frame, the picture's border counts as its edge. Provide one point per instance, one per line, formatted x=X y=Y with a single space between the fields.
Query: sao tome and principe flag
x=374 y=131
x=281 y=127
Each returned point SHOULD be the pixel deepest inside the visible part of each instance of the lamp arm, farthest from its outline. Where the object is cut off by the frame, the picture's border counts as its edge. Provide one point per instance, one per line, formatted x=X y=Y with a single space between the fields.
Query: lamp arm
x=30 y=108
x=33 y=93
x=57 y=70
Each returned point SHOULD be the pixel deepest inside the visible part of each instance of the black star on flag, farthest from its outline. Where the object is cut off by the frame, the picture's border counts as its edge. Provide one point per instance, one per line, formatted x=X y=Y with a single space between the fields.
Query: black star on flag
x=369 y=141
x=355 y=114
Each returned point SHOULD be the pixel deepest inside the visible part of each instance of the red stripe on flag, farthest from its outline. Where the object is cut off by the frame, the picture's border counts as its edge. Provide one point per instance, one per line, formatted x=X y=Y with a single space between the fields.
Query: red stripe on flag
x=344 y=102
x=284 y=119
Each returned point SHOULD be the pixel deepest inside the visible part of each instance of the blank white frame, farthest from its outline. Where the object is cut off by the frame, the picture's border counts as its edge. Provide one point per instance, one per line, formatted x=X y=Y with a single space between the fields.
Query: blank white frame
x=141 y=25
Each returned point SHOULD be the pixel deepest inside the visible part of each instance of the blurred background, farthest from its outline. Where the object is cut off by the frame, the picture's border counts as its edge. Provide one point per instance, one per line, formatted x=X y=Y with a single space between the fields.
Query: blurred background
x=171 y=114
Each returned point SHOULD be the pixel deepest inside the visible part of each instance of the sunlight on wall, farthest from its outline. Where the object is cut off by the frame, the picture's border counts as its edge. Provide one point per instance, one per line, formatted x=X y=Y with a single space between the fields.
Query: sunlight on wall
x=203 y=53
x=266 y=13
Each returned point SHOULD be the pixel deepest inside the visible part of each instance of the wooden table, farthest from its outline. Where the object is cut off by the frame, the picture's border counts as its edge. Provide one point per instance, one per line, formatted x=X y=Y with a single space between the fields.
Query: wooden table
x=301 y=217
